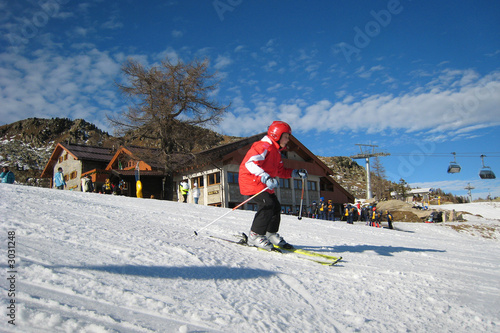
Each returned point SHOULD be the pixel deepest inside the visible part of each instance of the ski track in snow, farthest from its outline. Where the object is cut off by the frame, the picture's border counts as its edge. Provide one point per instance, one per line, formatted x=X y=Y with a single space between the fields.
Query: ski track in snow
x=100 y=263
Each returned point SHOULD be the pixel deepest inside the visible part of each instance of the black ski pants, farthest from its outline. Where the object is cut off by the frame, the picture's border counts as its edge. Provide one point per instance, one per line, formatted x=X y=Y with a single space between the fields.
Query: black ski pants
x=268 y=216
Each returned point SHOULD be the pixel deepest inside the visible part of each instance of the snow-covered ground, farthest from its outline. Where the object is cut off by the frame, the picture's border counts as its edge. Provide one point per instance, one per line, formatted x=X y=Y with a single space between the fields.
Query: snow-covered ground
x=100 y=263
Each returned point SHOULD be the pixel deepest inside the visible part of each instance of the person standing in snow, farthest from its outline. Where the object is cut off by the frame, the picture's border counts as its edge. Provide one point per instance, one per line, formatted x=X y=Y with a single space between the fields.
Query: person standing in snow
x=7 y=176
x=314 y=210
x=322 y=208
x=87 y=184
x=257 y=171
x=59 y=182
x=184 y=189
x=196 y=193
x=331 y=211
x=350 y=214
x=106 y=187
x=389 y=219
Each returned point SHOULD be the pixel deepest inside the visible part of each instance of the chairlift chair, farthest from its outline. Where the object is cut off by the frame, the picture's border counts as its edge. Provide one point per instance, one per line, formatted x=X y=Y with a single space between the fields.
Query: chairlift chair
x=486 y=172
x=454 y=167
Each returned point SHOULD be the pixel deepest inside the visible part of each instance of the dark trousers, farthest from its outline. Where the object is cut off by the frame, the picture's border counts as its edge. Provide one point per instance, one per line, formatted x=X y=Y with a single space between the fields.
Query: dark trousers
x=268 y=216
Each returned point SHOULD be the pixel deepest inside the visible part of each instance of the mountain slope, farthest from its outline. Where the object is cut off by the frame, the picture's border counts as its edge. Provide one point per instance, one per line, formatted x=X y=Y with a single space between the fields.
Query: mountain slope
x=26 y=145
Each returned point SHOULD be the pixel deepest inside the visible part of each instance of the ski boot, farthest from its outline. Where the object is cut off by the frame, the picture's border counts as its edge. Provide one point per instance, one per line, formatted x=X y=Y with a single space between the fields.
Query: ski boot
x=261 y=241
x=277 y=240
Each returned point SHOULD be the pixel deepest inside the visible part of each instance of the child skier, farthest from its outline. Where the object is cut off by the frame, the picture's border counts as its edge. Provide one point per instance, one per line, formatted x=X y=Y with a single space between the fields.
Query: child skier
x=257 y=171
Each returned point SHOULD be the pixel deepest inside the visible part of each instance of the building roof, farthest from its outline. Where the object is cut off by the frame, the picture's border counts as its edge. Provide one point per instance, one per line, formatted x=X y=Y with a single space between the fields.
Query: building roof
x=79 y=152
x=420 y=190
x=89 y=153
x=147 y=155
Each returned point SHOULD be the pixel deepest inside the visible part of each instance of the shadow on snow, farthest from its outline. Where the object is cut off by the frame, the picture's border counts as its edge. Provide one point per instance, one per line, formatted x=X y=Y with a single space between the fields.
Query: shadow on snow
x=381 y=250
x=183 y=272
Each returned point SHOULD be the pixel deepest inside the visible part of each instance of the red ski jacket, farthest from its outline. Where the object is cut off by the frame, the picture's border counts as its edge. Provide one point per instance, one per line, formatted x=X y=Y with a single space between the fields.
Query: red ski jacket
x=263 y=157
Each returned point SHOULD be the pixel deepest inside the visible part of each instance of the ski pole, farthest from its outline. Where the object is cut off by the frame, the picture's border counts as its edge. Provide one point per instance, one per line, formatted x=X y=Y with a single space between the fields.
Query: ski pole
x=241 y=204
x=301 y=199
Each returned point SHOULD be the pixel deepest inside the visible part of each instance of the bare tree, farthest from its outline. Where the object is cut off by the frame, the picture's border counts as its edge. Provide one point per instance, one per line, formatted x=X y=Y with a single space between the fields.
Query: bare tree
x=378 y=181
x=170 y=104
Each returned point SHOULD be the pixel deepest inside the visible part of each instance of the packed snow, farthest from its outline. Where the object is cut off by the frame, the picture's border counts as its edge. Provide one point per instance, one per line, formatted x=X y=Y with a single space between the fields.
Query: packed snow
x=87 y=262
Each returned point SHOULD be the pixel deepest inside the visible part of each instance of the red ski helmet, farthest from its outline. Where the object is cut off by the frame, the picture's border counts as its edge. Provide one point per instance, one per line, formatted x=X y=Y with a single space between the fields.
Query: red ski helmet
x=277 y=128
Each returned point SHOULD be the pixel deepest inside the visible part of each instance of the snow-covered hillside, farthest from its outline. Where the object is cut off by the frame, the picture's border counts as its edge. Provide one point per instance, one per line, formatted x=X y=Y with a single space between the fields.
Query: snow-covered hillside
x=98 y=263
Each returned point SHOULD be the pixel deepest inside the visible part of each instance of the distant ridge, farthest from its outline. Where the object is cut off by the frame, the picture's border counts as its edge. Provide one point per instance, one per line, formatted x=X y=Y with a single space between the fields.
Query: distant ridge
x=26 y=145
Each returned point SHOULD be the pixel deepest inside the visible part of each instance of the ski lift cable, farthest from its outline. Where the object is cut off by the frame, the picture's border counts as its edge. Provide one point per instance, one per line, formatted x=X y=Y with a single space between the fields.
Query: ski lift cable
x=474 y=155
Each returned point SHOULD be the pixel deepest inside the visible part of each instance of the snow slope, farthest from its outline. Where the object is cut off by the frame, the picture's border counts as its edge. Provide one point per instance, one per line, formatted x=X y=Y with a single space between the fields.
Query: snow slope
x=99 y=263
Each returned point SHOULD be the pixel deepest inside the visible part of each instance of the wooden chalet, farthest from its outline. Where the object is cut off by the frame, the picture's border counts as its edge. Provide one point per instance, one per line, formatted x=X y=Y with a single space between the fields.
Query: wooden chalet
x=216 y=173
x=76 y=160
x=123 y=167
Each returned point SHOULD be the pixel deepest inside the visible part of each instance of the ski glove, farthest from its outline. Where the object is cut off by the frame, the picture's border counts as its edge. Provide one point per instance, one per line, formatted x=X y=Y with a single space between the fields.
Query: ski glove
x=270 y=182
x=299 y=173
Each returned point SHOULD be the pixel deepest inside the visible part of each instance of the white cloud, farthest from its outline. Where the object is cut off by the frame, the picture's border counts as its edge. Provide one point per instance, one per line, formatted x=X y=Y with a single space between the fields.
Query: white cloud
x=50 y=85
x=113 y=22
x=222 y=62
x=366 y=74
x=269 y=47
x=456 y=103
x=277 y=86
x=169 y=53
x=177 y=33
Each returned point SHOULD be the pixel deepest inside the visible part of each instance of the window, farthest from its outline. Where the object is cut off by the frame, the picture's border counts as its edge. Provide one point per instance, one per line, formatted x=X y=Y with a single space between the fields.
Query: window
x=284 y=183
x=73 y=175
x=60 y=159
x=213 y=178
x=252 y=206
x=286 y=209
x=297 y=184
x=232 y=177
x=66 y=178
x=65 y=157
x=312 y=186
x=198 y=180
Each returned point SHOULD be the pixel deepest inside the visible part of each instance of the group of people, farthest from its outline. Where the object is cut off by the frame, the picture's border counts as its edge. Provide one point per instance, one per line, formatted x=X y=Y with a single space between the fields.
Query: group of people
x=322 y=210
x=375 y=218
x=88 y=186
x=368 y=214
x=116 y=188
x=184 y=190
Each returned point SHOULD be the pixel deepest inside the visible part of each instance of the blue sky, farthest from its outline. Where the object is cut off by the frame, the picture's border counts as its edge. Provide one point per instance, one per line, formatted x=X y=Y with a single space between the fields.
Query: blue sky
x=420 y=79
